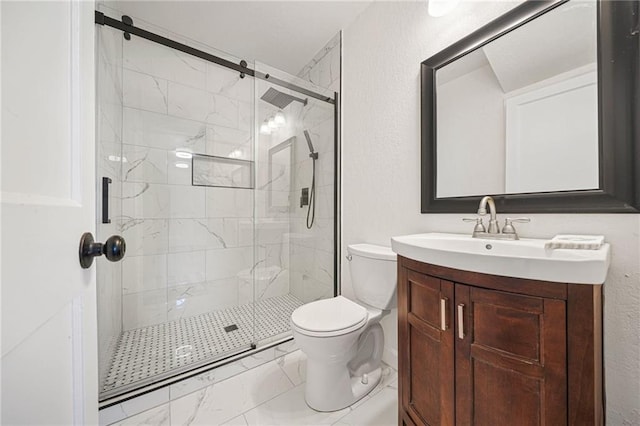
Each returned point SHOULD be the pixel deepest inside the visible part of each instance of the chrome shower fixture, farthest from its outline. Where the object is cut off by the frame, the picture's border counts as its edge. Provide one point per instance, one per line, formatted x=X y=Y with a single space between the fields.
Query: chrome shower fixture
x=280 y=99
x=312 y=153
x=311 y=211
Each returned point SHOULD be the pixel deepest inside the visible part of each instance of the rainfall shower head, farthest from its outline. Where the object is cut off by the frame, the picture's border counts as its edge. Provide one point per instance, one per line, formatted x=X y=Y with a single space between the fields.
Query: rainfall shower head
x=279 y=99
x=313 y=154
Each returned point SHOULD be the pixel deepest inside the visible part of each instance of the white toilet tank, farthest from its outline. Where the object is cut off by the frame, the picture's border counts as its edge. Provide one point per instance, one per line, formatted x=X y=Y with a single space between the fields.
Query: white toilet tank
x=373 y=274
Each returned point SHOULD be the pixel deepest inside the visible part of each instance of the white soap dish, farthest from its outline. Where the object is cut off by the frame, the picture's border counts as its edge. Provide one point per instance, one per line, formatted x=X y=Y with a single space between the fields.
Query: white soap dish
x=579 y=242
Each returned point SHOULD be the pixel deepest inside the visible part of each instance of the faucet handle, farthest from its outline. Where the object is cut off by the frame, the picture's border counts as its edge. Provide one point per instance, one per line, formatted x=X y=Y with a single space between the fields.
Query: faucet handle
x=479 y=225
x=508 y=224
x=508 y=220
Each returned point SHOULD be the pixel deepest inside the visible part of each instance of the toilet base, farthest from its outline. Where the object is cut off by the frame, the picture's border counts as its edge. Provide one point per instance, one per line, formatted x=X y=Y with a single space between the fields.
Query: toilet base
x=326 y=395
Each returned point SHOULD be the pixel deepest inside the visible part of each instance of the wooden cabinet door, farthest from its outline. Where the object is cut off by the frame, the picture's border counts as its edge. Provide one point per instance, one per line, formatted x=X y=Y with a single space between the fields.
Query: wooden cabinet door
x=511 y=355
x=404 y=419
x=426 y=353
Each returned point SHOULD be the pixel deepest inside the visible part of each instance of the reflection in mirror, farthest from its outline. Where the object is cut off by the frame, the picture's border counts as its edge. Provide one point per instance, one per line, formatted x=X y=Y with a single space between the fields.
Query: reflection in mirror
x=520 y=113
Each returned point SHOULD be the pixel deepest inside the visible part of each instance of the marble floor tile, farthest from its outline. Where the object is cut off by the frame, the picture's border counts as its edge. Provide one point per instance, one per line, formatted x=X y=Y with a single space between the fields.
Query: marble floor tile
x=295 y=366
x=159 y=416
x=226 y=371
x=127 y=411
x=270 y=394
x=378 y=410
x=237 y=421
x=389 y=378
x=201 y=381
x=223 y=401
x=111 y=415
x=290 y=409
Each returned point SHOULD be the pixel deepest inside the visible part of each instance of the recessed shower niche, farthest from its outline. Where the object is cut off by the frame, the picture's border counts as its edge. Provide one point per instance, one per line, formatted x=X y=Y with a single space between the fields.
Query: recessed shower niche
x=218 y=249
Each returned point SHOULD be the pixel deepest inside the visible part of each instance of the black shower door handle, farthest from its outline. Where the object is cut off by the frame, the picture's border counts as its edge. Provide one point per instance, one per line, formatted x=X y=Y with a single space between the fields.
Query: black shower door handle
x=105 y=199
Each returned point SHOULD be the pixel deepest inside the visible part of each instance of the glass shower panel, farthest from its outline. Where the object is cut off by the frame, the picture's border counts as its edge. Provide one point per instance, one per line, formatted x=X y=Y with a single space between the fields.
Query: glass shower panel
x=294 y=239
x=186 y=211
x=108 y=171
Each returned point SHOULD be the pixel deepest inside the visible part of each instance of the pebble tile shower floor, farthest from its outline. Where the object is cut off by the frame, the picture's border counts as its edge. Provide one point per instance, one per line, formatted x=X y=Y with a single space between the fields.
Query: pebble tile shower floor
x=159 y=349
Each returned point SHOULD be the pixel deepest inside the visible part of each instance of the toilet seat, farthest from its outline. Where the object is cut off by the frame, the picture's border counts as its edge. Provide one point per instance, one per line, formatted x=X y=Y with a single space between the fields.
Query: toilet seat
x=329 y=317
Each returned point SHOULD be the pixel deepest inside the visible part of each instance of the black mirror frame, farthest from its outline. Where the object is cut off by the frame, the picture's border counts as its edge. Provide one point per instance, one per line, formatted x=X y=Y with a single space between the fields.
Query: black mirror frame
x=618 y=113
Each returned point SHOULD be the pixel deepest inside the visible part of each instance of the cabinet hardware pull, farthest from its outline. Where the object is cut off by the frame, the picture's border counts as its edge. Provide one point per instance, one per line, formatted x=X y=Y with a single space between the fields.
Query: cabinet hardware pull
x=443 y=313
x=461 y=321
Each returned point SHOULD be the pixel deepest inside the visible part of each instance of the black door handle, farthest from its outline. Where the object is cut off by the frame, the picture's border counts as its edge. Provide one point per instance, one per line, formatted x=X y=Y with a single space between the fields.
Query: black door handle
x=105 y=199
x=113 y=249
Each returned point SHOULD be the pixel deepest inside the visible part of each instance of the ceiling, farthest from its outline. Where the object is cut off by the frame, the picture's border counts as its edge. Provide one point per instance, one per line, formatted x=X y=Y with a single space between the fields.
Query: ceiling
x=283 y=34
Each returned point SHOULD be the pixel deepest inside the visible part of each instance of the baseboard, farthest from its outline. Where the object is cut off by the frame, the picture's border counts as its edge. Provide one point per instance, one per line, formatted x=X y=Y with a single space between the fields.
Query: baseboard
x=390 y=357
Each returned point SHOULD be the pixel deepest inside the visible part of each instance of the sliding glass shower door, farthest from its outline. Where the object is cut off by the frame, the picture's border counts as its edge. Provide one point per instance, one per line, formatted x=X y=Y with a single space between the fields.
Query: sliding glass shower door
x=222 y=182
x=181 y=171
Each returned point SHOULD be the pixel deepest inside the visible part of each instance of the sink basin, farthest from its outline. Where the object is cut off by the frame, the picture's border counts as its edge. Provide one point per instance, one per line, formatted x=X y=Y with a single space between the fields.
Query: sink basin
x=524 y=258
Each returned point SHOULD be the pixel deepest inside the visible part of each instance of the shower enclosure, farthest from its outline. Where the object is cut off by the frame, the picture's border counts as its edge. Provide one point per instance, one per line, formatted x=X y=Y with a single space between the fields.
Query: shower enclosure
x=209 y=167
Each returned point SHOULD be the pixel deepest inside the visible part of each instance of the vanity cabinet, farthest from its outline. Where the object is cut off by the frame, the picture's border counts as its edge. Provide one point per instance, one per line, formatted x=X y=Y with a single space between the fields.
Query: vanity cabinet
x=477 y=349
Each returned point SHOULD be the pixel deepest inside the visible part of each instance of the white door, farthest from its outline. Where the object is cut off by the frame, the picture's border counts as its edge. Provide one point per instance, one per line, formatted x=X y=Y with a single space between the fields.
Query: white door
x=49 y=355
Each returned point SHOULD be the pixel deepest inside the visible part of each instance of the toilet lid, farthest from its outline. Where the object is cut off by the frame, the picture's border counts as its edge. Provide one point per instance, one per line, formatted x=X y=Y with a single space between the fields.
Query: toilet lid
x=329 y=315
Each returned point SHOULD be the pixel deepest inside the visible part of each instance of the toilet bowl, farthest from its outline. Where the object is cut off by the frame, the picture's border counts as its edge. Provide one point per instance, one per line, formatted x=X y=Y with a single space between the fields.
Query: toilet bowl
x=342 y=339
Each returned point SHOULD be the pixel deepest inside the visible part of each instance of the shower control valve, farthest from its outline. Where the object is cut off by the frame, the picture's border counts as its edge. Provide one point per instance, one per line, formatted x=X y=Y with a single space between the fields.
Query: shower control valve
x=304 y=197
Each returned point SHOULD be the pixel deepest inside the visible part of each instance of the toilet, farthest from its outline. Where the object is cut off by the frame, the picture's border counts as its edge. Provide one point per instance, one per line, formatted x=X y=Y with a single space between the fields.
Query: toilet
x=343 y=339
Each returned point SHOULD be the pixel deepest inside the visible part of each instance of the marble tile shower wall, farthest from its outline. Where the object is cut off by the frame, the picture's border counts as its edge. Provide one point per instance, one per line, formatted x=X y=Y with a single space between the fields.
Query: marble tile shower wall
x=109 y=122
x=272 y=277
x=312 y=250
x=301 y=257
x=324 y=69
x=187 y=246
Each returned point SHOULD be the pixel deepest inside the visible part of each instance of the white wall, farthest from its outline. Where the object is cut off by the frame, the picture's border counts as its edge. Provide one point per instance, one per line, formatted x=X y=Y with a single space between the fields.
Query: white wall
x=382 y=51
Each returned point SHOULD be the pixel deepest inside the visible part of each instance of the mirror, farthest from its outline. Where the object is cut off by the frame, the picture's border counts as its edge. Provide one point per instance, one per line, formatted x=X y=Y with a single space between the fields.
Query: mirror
x=522 y=107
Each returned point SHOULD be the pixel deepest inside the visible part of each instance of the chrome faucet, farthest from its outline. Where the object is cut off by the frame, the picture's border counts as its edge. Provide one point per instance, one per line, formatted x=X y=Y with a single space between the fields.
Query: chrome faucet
x=493 y=231
x=493 y=221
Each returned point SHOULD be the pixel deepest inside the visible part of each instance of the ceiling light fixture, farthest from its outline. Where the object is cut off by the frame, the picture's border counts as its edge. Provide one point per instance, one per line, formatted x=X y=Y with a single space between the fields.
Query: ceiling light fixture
x=183 y=154
x=279 y=119
x=118 y=159
x=236 y=153
x=265 y=129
